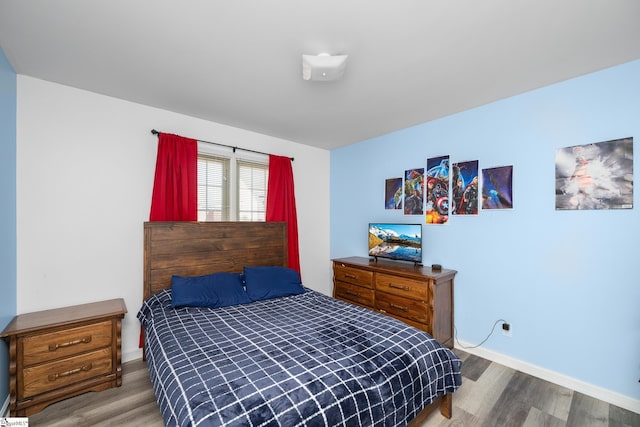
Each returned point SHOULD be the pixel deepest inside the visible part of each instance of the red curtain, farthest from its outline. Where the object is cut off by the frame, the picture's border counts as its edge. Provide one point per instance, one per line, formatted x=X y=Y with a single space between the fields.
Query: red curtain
x=175 y=189
x=281 y=203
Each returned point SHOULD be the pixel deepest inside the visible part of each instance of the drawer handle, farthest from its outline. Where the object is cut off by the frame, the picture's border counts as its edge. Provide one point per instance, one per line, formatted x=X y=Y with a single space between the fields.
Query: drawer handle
x=85 y=340
x=400 y=307
x=404 y=288
x=355 y=294
x=57 y=375
x=350 y=276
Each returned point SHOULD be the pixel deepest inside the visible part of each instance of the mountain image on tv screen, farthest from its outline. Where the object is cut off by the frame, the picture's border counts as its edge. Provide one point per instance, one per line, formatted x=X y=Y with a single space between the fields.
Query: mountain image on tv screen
x=396 y=241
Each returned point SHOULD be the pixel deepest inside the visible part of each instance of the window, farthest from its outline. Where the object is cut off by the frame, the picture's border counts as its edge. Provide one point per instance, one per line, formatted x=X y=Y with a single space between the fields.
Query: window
x=213 y=191
x=252 y=191
x=231 y=188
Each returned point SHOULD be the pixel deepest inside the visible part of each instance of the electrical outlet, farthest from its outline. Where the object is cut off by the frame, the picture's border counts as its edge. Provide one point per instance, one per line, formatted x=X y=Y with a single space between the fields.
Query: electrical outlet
x=507 y=329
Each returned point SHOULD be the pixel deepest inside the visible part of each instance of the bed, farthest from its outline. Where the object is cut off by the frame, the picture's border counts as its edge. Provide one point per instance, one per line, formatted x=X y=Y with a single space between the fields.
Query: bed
x=299 y=359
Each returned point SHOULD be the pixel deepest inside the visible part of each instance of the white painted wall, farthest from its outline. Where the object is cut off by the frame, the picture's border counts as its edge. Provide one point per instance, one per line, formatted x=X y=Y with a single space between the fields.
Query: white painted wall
x=85 y=166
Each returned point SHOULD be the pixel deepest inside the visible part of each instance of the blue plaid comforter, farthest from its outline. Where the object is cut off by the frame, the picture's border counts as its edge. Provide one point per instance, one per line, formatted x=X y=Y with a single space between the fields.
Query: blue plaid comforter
x=307 y=360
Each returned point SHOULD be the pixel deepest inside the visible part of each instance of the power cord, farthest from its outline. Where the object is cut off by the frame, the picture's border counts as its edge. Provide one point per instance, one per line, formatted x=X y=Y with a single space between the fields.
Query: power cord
x=484 y=340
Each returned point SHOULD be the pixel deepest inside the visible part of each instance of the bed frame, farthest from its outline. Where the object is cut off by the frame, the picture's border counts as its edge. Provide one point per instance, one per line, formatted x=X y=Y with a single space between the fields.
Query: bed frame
x=198 y=248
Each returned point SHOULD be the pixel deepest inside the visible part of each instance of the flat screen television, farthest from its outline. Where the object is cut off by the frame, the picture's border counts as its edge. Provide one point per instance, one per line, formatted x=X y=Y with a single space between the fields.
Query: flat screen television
x=396 y=241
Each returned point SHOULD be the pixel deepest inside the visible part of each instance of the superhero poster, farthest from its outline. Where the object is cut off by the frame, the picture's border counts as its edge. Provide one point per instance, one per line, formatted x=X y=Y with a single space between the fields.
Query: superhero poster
x=393 y=193
x=413 y=191
x=595 y=176
x=464 y=188
x=497 y=188
x=437 y=177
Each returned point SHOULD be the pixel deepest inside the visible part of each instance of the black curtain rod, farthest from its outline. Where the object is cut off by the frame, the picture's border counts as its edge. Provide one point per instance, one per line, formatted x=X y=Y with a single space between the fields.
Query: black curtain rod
x=155 y=132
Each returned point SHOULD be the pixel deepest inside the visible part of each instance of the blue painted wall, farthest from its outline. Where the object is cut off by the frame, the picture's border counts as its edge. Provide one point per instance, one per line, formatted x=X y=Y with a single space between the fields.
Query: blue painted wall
x=567 y=281
x=7 y=211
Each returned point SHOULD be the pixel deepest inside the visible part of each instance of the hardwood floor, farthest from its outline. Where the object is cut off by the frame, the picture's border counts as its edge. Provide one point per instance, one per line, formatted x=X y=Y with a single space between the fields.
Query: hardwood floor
x=491 y=395
x=132 y=404
x=494 y=395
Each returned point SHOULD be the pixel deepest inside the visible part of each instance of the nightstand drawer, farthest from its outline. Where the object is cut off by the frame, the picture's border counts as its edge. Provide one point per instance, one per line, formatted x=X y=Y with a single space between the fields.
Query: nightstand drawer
x=353 y=293
x=401 y=286
x=53 y=375
x=403 y=307
x=354 y=276
x=54 y=345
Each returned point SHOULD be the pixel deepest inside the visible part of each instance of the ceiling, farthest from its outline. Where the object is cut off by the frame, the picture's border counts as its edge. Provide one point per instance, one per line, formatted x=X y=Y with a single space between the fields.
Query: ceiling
x=238 y=62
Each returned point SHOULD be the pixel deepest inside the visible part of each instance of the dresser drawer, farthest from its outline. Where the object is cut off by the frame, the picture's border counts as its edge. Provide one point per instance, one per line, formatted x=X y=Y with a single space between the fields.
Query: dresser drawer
x=422 y=326
x=53 y=345
x=354 y=293
x=404 y=307
x=53 y=375
x=352 y=275
x=402 y=286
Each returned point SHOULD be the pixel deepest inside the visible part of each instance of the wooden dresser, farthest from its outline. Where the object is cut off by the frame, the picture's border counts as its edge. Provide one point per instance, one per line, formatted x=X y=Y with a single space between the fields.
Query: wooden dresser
x=418 y=296
x=57 y=354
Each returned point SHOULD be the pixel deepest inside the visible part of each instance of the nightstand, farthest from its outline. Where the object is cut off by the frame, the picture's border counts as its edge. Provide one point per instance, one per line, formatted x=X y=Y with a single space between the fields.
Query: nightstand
x=60 y=353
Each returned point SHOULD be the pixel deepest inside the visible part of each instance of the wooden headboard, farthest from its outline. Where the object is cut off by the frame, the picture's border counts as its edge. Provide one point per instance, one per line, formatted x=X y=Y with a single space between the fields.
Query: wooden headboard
x=197 y=248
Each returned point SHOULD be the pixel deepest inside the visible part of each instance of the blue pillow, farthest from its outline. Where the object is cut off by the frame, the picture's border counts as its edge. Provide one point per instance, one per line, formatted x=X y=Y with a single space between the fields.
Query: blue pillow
x=212 y=290
x=271 y=282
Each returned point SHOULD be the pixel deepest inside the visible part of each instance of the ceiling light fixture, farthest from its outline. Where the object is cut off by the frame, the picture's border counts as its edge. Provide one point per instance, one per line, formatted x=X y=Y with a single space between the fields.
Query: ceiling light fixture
x=323 y=67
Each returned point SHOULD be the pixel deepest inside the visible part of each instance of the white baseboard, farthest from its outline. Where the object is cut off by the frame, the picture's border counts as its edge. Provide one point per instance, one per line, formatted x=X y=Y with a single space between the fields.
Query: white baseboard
x=4 y=412
x=605 y=395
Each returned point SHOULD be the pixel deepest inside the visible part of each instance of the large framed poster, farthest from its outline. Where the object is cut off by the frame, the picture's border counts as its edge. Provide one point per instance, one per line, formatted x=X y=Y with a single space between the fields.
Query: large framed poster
x=595 y=176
